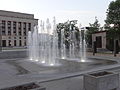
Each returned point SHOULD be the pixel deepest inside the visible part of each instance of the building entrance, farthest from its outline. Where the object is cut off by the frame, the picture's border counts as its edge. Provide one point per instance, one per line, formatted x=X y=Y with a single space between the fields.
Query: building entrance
x=3 y=43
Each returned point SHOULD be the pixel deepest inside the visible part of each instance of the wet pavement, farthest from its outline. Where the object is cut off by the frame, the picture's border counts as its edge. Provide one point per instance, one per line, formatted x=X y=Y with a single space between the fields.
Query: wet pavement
x=18 y=71
x=22 y=67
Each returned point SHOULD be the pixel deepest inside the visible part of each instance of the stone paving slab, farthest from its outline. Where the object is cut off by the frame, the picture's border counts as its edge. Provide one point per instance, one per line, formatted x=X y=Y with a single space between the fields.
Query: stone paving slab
x=27 y=72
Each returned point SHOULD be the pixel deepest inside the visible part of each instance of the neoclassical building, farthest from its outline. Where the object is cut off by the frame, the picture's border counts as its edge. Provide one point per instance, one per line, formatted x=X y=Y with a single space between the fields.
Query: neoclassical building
x=14 y=27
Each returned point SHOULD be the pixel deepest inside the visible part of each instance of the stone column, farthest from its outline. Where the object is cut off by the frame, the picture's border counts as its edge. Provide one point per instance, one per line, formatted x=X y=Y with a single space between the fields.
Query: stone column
x=22 y=31
x=17 y=35
x=17 y=29
x=11 y=28
x=6 y=28
x=26 y=29
x=17 y=41
x=12 y=35
x=26 y=33
x=7 y=37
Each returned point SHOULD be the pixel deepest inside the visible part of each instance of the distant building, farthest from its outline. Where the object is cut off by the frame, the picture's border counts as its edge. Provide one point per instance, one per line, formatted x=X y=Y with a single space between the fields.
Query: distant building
x=14 y=27
x=100 y=38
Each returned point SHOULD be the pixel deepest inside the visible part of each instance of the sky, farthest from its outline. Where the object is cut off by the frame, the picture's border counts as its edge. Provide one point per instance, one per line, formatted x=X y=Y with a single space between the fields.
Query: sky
x=84 y=11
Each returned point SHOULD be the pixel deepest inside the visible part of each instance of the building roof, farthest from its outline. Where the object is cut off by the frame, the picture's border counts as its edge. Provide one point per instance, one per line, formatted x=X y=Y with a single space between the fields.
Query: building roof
x=100 y=32
x=16 y=14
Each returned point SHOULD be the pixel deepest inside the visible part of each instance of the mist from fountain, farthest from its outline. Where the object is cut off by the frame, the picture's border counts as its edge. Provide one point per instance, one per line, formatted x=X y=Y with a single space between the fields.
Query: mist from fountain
x=43 y=46
x=33 y=44
x=82 y=45
x=75 y=51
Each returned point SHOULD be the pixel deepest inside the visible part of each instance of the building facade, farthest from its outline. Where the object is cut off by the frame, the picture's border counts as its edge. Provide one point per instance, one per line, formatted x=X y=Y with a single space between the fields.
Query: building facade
x=100 y=38
x=14 y=27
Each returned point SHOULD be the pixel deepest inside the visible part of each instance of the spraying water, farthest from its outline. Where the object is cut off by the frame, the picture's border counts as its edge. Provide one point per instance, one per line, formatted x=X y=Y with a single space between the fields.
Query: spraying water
x=43 y=46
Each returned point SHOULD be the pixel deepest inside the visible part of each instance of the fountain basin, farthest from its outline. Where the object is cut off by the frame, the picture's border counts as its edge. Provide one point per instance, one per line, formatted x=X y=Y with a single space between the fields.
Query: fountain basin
x=25 y=71
x=64 y=66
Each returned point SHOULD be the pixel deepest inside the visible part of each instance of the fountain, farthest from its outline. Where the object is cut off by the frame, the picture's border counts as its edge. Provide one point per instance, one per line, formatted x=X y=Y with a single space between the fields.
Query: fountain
x=50 y=60
x=82 y=45
x=47 y=62
x=43 y=46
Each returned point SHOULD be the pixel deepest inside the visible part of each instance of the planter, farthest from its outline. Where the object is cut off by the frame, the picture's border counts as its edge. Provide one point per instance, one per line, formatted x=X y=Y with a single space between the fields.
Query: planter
x=30 y=86
x=101 y=81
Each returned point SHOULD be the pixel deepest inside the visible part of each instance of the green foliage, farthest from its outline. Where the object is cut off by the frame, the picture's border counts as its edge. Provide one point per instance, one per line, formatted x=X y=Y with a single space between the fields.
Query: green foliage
x=113 y=18
x=68 y=28
x=113 y=13
x=92 y=29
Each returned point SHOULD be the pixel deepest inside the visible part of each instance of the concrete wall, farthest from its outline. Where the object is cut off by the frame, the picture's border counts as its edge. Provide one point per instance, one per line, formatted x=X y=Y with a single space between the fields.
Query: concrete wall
x=103 y=35
x=13 y=54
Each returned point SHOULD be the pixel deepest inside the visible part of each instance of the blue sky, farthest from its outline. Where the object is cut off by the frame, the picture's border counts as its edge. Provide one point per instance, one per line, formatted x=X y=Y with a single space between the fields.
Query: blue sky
x=82 y=10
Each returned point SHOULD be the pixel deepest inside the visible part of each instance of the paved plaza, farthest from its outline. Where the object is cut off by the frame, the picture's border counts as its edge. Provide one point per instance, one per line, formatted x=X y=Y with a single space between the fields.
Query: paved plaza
x=68 y=76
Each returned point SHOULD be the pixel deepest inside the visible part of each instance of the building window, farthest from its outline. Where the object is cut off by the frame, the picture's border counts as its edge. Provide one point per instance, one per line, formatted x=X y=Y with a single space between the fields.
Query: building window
x=19 y=25
x=25 y=43
x=3 y=27
x=9 y=32
x=14 y=42
x=99 y=41
x=19 y=28
x=9 y=23
x=20 y=33
x=29 y=26
x=24 y=25
x=9 y=42
x=9 y=27
x=24 y=28
x=14 y=28
x=3 y=43
x=24 y=32
x=9 y=37
x=20 y=43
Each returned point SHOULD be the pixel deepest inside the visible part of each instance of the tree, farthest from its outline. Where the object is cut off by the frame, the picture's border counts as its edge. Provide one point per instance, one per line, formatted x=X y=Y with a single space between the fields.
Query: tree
x=68 y=28
x=113 y=18
x=92 y=29
x=113 y=13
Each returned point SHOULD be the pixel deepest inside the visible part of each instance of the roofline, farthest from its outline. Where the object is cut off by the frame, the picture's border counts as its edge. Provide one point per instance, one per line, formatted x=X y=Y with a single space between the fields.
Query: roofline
x=16 y=12
x=100 y=32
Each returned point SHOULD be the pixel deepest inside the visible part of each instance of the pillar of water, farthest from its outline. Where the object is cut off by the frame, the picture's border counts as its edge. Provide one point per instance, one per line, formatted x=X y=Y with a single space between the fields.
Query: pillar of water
x=30 y=45
x=63 y=49
x=33 y=44
x=54 y=44
x=49 y=56
x=82 y=46
x=43 y=47
x=73 y=45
